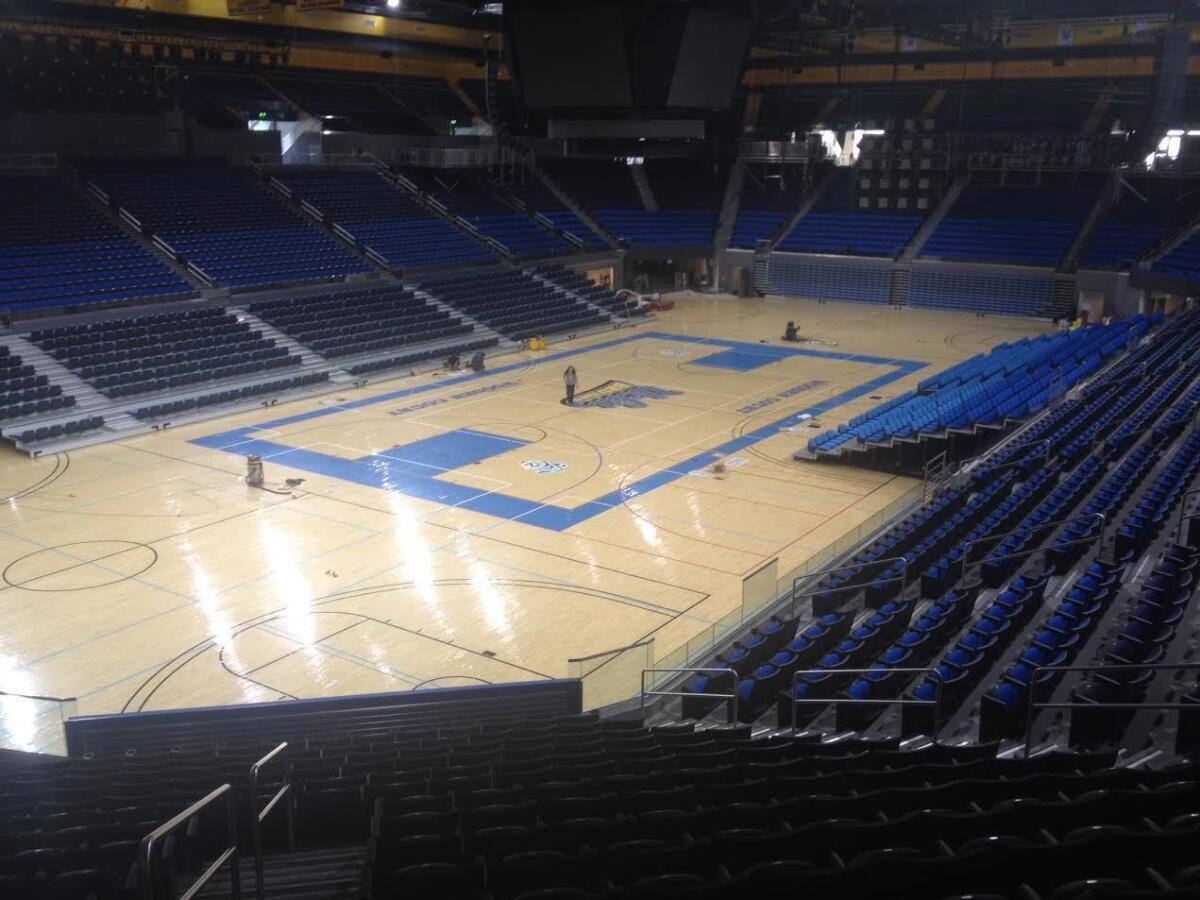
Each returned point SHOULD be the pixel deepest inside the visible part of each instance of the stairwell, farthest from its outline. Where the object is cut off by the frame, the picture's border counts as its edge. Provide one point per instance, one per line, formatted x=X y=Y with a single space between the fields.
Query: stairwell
x=929 y=226
x=89 y=401
x=898 y=289
x=1063 y=300
x=333 y=874
x=310 y=360
x=729 y=207
x=568 y=201
x=642 y=181
x=571 y=295
x=801 y=211
x=481 y=330
x=1087 y=229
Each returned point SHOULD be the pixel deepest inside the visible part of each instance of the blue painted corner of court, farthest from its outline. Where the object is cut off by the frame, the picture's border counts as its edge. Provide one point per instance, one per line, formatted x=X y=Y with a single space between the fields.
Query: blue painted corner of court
x=416 y=469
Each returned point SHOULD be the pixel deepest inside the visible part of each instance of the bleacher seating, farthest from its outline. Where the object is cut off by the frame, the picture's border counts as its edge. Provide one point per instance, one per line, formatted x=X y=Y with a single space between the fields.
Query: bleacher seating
x=980 y=292
x=795 y=277
x=1013 y=381
x=1145 y=212
x=836 y=224
x=1183 y=261
x=688 y=194
x=416 y=357
x=58 y=430
x=230 y=99
x=577 y=806
x=358 y=102
x=465 y=192
x=223 y=221
x=1015 y=223
x=166 y=351
x=596 y=294
x=24 y=393
x=47 y=76
x=384 y=218
x=429 y=97
x=766 y=201
x=363 y=320
x=230 y=395
x=514 y=303
x=56 y=250
x=538 y=198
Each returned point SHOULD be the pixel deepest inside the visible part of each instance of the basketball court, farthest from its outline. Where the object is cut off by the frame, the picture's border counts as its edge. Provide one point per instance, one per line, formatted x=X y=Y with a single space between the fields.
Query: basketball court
x=456 y=528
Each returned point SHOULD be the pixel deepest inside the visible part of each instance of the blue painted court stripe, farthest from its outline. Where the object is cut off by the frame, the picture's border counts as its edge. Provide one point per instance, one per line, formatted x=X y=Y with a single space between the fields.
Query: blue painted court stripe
x=395 y=475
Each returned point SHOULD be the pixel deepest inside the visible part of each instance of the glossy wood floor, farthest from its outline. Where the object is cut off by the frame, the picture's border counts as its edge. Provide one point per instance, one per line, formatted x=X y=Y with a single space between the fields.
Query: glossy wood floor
x=450 y=529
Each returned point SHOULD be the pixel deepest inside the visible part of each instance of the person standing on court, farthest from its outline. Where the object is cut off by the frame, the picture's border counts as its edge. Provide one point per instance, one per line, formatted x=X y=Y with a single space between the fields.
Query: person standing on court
x=570 y=379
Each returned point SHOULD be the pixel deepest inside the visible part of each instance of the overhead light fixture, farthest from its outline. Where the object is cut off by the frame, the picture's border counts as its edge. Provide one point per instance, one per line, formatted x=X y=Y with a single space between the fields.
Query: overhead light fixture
x=393 y=4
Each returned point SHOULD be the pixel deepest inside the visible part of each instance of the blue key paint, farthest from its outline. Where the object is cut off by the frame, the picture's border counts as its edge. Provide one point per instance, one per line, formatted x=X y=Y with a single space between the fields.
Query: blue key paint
x=413 y=469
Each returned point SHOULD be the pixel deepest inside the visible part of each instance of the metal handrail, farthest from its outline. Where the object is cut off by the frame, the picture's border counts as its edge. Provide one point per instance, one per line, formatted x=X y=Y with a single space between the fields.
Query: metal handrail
x=1184 y=516
x=1044 y=454
x=228 y=855
x=257 y=816
x=1097 y=667
x=794 y=701
x=732 y=698
x=1016 y=553
x=902 y=578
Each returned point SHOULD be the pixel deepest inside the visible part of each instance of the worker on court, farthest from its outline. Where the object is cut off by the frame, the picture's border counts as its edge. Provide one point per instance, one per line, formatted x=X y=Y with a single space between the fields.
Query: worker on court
x=570 y=379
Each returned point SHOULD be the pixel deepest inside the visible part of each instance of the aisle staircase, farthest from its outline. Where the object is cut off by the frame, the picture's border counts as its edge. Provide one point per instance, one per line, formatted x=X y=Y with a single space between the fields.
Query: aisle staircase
x=329 y=874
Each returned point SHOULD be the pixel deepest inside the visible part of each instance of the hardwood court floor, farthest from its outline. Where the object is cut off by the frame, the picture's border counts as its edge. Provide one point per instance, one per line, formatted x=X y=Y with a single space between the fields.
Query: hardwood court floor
x=451 y=528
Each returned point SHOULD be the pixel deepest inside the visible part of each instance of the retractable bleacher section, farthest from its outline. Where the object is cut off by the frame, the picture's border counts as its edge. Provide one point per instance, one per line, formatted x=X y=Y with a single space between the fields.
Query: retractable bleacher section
x=1014 y=223
x=368 y=320
x=797 y=276
x=1145 y=212
x=1012 y=382
x=986 y=293
x=836 y=224
x=514 y=303
x=24 y=393
x=1021 y=563
x=765 y=205
x=57 y=251
x=384 y=218
x=163 y=351
x=596 y=294
x=464 y=192
x=223 y=221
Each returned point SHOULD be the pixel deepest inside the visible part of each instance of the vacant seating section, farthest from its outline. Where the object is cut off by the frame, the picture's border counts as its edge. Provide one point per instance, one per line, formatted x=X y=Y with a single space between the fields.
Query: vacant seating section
x=980 y=292
x=798 y=277
x=57 y=250
x=59 y=430
x=768 y=198
x=125 y=357
x=258 y=389
x=514 y=303
x=836 y=224
x=466 y=193
x=1012 y=382
x=1146 y=211
x=363 y=320
x=226 y=223
x=1183 y=261
x=596 y=294
x=357 y=102
x=384 y=218
x=538 y=198
x=1016 y=223
x=24 y=393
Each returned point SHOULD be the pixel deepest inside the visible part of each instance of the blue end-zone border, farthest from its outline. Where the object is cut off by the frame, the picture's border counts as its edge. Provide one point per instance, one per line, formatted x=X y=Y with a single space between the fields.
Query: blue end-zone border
x=395 y=470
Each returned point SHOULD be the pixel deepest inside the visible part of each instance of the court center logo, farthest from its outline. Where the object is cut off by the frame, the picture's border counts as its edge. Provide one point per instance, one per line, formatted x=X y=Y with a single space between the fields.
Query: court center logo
x=544 y=466
x=621 y=393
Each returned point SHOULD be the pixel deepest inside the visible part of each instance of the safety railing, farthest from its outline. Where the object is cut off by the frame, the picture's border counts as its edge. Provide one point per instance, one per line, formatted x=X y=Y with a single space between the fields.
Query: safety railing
x=934 y=474
x=611 y=676
x=34 y=723
x=794 y=701
x=1185 y=515
x=967 y=464
x=1033 y=706
x=258 y=816
x=797 y=596
x=992 y=538
x=148 y=858
x=731 y=699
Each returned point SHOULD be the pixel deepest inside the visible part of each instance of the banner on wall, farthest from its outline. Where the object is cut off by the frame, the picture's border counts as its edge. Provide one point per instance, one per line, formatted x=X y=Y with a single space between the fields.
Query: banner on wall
x=248 y=7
